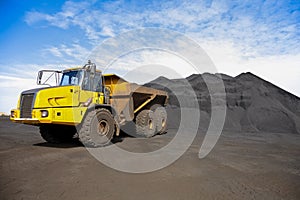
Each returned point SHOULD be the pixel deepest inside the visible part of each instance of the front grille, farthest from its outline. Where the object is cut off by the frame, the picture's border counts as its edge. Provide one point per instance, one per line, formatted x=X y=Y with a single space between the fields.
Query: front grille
x=26 y=105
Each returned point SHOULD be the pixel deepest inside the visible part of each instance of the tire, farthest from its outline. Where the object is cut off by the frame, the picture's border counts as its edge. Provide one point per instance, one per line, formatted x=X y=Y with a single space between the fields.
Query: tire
x=160 y=115
x=97 y=129
x=145 y=124
x=57 y=133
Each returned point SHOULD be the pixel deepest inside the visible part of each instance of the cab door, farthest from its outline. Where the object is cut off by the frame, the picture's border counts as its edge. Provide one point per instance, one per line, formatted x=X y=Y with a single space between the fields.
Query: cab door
x=92 y=88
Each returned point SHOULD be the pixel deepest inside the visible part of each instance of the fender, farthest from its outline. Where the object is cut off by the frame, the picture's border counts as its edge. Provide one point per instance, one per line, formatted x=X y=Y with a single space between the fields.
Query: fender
x=94 y=106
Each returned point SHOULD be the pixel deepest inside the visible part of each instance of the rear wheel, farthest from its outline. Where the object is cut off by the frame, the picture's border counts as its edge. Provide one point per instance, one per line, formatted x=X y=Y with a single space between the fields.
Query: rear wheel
x=160 y=115
x=97 y=129
x=145 y=124
x=57 y=133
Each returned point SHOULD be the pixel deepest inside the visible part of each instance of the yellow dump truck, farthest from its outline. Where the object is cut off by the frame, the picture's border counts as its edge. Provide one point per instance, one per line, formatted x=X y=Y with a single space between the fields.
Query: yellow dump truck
x=90 y=105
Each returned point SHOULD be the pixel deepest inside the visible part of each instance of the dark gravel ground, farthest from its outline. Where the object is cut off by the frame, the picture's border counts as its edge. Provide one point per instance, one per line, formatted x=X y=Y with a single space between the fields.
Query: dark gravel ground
x=241 y=166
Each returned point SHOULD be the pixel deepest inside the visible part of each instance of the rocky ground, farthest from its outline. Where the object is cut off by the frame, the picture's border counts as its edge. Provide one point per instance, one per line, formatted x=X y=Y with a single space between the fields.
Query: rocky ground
x=243 y=165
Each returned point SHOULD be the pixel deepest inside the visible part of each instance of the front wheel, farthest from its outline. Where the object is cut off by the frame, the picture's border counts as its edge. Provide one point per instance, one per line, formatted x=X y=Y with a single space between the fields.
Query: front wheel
x=97 y=129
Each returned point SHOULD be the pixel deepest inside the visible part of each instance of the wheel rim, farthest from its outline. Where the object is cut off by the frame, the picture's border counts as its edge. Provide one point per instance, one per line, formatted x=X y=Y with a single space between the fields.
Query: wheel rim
x=150 y=124
x=103 y=127
x=163 y=122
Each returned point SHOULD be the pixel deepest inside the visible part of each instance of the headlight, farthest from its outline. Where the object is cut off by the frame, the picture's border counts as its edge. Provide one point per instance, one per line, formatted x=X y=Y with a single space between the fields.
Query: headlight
x=44 y=113
x=12 y=114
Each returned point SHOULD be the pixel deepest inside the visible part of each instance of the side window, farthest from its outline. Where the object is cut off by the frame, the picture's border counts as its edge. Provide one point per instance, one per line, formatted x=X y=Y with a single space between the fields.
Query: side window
x=98 y=82
x=92 y=85
x=86 y=82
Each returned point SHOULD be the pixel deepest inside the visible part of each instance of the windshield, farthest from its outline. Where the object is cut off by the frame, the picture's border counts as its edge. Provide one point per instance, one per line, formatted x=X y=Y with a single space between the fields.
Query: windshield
x=71 y=78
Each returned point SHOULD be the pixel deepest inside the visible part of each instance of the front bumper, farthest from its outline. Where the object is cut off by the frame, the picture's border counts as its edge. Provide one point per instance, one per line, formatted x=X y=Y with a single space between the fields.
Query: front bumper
x=66 y=116
x=26 y=120
x=35 y=120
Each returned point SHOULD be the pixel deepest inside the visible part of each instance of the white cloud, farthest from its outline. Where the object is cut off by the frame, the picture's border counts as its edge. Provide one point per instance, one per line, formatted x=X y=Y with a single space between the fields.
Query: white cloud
x=74 y=53
x=263 y=27
x=34 y=17
x=152 y=62
x=54 y=51
x=281 y=70
x=62 y=19
x=107 y=31
x=11 y=87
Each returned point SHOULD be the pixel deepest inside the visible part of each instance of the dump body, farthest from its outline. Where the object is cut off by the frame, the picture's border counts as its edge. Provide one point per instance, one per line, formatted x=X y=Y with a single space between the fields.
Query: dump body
x=127 y=99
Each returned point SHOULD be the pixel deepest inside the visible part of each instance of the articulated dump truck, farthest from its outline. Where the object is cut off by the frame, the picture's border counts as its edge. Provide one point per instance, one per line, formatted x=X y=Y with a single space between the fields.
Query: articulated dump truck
x=92 y=106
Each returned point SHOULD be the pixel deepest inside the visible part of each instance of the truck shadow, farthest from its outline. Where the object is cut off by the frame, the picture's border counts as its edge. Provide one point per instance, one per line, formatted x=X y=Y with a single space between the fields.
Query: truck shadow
x=76 y=143
x=72 y=144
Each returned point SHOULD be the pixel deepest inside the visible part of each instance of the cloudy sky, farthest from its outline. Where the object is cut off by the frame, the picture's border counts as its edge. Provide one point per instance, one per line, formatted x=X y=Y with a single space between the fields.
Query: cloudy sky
x=260 y=36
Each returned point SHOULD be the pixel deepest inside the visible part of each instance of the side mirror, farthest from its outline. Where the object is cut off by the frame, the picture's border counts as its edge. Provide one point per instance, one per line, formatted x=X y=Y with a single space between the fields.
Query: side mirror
x=90 y=67
x=107 y=93
x=107 y=90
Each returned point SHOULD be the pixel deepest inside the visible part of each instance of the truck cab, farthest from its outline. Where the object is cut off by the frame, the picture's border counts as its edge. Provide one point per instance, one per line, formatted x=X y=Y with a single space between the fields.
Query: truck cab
x=64 y=103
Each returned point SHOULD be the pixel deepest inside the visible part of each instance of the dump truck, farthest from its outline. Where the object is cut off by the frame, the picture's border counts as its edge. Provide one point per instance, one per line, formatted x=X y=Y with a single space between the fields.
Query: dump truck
x=92 y=106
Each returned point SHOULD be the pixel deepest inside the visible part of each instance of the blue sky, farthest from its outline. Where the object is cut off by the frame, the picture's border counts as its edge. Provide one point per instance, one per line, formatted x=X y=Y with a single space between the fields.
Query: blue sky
x=258 y=36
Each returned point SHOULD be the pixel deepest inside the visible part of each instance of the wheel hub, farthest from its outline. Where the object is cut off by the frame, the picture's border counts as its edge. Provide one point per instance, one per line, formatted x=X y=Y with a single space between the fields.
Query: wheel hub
x=150 y=124
x=103 y=127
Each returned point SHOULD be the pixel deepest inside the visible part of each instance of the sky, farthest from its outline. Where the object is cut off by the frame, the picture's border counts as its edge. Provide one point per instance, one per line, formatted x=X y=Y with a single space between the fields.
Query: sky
x=258 y=36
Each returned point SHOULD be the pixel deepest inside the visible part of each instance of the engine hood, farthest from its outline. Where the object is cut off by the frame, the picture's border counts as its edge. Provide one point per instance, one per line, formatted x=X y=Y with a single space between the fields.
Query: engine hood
x=33 y=91
x=61 y=96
